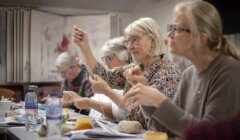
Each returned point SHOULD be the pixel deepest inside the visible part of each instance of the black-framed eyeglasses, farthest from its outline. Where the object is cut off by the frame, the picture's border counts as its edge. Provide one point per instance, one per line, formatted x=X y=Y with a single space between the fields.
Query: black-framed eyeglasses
x=172 y=29
x=134 y=39
x=107 y=58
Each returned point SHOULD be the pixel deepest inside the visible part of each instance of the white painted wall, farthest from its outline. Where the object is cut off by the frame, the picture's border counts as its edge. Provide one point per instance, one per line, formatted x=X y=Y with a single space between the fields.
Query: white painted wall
x=160 y=10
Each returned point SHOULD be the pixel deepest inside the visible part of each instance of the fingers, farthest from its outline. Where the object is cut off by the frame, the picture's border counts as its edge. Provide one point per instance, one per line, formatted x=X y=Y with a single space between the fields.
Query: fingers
x=45 y=99
x=136 y=70
x=69 y=96
x=131 y=93
x=132 y=105
x=78 y=31
x=132 y=71
x=98 y=84
x=135 y=75
x=79 y=34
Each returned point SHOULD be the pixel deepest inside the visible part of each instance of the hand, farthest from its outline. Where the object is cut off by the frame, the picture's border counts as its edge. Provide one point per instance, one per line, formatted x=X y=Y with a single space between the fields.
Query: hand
x=45 y=99
x=143 y=95
x=82 y=103
x=80 y=37
x=69 y=97
x=99 y=85
x=134 y=75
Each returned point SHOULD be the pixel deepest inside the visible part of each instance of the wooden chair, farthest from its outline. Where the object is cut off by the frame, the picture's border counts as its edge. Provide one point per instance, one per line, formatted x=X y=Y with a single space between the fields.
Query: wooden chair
x=6 y=93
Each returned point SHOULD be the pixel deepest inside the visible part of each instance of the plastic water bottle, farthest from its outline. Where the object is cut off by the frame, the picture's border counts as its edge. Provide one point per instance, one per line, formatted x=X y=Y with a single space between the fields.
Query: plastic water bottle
x=31 y=110
x=54 y=116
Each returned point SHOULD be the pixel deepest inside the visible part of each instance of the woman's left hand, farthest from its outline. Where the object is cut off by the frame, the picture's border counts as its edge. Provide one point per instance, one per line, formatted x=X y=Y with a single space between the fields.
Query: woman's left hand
x=82 y=103
x=143 y=95
x=99 y=85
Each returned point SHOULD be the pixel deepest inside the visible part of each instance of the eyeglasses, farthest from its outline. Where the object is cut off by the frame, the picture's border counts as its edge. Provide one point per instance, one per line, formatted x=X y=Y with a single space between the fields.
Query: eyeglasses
x=107 y=58
x=172 y=29
x=134 y=39
x=63 y=73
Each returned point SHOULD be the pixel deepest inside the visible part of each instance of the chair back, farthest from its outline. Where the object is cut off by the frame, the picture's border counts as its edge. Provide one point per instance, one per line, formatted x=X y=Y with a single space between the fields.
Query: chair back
x=6 y=93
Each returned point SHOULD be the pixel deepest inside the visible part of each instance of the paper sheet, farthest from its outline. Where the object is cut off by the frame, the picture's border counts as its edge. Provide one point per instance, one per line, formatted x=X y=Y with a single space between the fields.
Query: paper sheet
x=106 y=129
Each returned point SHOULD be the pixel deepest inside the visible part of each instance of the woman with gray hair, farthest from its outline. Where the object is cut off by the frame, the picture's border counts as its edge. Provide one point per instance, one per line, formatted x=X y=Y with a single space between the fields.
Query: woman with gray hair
x=146 y=46
x=75 y=78
x=116 y=53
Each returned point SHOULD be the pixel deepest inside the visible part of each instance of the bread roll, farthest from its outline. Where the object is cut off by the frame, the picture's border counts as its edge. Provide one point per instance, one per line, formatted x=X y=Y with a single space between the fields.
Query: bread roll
x=130 y=127
x=150 y=135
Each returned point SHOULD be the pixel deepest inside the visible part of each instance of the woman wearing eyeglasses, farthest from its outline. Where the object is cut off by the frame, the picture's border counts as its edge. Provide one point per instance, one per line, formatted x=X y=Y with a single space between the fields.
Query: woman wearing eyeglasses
x=116 y=53
x=146 y=46
x=209 y=89
x=75 y=77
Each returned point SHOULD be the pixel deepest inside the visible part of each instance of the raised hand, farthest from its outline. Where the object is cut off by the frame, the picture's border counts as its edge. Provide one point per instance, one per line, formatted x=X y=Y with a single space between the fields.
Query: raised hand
x=80 y=37
x=142 y=95
x=99 y=85
x=134 y=75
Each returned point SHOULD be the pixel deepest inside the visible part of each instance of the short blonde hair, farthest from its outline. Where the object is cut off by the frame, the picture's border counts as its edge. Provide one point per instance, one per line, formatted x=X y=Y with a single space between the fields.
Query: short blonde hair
x=151 y=27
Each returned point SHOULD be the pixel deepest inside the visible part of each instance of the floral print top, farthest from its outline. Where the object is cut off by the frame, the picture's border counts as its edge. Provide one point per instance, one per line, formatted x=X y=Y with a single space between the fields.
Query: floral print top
x=163 y=75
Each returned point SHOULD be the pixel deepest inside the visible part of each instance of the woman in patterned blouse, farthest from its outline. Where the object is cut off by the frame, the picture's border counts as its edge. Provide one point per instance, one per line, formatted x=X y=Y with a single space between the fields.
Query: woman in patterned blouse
x=146 y=46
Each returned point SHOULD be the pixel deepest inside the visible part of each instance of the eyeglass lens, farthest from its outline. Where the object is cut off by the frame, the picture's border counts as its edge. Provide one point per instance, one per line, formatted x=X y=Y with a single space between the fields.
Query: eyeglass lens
x=107 y=58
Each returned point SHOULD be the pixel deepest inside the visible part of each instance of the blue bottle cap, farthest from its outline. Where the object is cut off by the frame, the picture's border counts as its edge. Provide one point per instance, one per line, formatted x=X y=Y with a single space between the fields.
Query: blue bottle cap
x=30 y=89
x=53 y=94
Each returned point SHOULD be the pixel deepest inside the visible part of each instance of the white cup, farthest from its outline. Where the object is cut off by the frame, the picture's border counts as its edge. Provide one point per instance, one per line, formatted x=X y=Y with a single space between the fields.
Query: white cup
x=5 y=106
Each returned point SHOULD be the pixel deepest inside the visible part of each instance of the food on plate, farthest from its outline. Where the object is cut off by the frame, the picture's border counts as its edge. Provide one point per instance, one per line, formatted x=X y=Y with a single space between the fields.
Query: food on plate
x=131 y=127
x=83 y=123
x=151 y=135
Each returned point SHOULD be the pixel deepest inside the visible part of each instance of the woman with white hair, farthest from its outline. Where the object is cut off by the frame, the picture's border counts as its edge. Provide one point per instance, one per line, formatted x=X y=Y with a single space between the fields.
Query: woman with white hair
x=146 y=46
x=75 y=76
x=116 y=53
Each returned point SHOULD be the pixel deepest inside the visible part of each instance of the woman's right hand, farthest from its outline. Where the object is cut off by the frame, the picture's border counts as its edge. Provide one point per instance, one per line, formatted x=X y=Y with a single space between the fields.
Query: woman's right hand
x=134 y=76
x=80 y=37
x=143 y=95
x=69 y=97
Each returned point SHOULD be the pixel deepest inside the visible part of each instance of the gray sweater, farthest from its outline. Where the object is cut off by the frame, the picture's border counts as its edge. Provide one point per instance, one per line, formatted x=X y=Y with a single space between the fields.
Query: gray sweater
x=212 y=95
